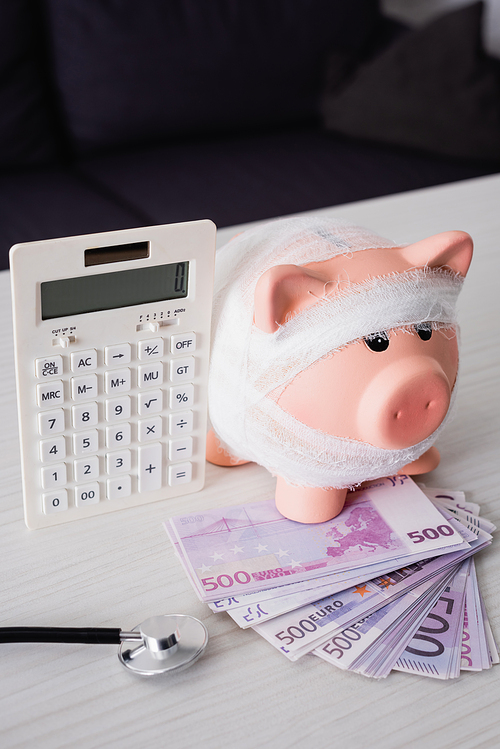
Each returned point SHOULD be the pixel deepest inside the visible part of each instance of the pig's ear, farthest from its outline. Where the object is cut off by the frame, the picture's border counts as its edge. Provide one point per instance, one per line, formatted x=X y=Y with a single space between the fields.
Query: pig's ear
x=283 y=291
x=450 y=249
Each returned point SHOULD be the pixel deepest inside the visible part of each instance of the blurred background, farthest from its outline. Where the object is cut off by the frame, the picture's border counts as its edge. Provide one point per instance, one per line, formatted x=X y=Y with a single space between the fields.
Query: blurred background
x=116 y=114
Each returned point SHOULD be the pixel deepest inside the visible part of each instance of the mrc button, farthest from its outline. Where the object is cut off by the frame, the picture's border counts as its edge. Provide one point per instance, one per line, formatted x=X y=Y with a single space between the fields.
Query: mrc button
x=50 y=393
x=183 y=343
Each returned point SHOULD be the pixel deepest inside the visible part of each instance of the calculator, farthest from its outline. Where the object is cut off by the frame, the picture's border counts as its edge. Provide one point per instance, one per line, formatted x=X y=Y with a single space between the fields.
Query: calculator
x=112 y=340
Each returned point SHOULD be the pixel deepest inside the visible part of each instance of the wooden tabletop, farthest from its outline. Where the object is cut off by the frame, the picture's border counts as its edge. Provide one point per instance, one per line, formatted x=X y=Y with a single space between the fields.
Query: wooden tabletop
x=118 y=569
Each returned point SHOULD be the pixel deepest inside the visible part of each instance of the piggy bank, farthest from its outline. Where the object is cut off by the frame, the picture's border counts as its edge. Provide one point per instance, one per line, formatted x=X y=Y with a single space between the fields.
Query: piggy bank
x=334 y=356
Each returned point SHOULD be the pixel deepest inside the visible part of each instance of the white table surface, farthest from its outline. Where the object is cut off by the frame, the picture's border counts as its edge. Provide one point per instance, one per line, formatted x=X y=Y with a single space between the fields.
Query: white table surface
x=118 y=569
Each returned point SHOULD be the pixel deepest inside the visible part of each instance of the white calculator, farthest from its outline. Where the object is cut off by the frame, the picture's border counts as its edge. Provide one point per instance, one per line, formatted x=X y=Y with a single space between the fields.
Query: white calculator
x=112 y=339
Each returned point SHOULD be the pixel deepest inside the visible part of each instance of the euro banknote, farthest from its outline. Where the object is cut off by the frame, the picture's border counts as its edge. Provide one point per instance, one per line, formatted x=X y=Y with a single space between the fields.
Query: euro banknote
x=248 y=548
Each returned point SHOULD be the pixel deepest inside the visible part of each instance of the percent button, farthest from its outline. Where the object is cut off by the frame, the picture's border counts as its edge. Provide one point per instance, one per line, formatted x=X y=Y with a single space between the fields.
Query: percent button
x=181 y=397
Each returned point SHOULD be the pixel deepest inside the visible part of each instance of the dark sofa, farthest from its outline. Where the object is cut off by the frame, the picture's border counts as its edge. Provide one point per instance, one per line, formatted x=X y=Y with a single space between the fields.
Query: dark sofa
x=118 y=113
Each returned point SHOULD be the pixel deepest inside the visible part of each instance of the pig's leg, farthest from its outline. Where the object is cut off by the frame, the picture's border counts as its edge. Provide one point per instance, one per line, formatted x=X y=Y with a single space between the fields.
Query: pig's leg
x=216 y=453
x=427 y=462
x=308 y=504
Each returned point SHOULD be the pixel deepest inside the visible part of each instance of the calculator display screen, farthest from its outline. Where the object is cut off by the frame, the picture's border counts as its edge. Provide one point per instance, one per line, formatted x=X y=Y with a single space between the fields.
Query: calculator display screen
x=105 y=291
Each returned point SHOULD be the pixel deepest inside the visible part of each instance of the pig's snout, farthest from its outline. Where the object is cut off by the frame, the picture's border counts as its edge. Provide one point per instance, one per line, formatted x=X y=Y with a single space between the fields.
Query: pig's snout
x=404 y=403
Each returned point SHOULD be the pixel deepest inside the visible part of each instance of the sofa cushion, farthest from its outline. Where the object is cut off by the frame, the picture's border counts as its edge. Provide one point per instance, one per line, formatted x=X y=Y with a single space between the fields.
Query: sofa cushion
x=25 y=128
x=433 y=89
x=56 y=202
x=254 y=177
x=129 y=72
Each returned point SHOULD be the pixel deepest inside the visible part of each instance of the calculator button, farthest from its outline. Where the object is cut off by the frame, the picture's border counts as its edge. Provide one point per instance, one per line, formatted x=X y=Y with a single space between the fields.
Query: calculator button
x=55 y=502
x=50 y=393
x=48 y=368
x=180 y=423
x=150 y=349
x=118 y=436
x=118 y=409
x=180 y=449
x=118 y=381
x=51 y=450
x=182 y=369
x=87 y=468
x=183 y=343
x=181 y=396
x=180 y=474
x=118 y=462
x=150 y=466
x=84 y=361
x=150 y=375
x=149 y=429
x=119 y=487
x=150 y=402
x=54 y=476
x=88 y=494
x=86 y=443
x=115 y=356
x=51 y=422
x=83 y=388
x=85 y=415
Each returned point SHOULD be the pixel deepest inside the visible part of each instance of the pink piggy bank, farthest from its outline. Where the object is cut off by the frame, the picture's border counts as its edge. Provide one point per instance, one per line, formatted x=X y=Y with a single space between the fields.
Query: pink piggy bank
x=334 y=356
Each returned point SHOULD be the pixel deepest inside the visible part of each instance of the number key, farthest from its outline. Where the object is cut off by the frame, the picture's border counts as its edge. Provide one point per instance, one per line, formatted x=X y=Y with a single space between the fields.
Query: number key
x=51 y=422
x=85 y=415
x=52 y=450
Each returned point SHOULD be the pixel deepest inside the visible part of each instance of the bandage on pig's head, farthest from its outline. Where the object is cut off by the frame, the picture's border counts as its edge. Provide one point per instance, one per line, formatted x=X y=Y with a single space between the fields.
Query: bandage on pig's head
x=255 y=356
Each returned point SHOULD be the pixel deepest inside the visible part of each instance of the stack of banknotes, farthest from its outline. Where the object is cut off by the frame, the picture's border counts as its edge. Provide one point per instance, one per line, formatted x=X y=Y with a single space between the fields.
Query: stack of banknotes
x=389 y=584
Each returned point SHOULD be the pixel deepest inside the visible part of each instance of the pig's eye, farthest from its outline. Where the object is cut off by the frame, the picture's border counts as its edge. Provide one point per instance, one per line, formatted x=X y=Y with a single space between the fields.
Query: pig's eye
x=424 y=330
x=377 y=341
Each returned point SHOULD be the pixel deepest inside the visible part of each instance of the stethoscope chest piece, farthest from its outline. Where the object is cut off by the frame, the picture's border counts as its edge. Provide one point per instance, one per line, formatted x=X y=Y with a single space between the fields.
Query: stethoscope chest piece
x=165 y=643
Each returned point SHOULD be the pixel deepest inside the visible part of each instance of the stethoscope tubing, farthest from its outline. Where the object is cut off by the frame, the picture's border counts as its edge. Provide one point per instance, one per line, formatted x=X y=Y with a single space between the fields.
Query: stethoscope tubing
x=86 y=635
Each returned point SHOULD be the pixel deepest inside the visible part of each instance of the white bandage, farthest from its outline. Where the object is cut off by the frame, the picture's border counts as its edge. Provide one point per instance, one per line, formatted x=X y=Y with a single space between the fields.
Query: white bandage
x=247 y=364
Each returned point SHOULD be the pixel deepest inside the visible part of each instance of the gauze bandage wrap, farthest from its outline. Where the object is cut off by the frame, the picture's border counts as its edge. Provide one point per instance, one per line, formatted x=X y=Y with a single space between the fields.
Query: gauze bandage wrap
x=248 y=365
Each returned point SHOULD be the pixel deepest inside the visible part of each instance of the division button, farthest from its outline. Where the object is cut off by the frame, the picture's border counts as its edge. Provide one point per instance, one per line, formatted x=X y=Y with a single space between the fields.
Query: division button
x=180 y=423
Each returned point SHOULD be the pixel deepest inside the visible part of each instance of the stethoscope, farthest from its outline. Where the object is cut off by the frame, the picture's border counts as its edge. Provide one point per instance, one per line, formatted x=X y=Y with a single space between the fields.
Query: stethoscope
x=163 y=643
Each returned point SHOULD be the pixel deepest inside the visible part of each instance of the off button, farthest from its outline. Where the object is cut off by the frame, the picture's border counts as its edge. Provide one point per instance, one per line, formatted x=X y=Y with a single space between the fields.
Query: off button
x=183 y=343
